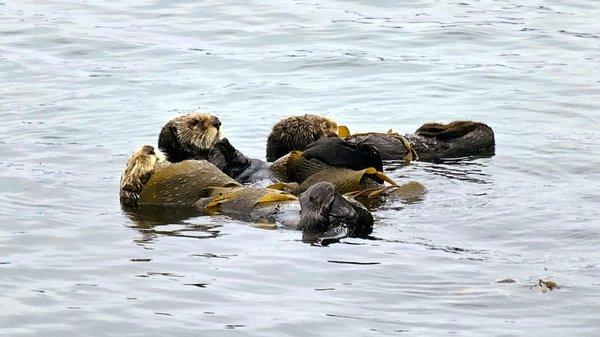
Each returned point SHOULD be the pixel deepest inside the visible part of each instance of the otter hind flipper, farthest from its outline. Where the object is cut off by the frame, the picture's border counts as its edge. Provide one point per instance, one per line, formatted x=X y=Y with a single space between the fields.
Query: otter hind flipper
x=449 y=131
x=431 y=129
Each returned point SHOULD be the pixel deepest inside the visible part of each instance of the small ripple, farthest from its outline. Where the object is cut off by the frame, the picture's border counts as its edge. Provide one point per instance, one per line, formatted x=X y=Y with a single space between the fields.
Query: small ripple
x=354 y=262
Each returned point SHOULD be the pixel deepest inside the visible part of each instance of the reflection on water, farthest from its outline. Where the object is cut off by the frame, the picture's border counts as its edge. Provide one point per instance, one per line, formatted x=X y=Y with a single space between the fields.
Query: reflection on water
x=152 y=222
x=466 y=169
x=186 y=230
x=149 y=216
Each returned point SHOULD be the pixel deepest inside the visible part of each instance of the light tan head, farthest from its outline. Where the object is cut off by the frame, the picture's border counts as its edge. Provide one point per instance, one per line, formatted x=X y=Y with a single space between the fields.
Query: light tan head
x=140 y=167
x=296 y=133
x=189 y=136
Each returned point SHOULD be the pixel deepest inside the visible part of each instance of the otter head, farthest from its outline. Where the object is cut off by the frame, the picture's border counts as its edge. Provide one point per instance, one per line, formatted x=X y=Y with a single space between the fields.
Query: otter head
x=140 y=167
x=296 y=133
x=189 y=136
x=332 y=216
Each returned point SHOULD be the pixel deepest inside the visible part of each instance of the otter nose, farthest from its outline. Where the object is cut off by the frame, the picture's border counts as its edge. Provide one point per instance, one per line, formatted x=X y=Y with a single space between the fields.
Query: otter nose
x=216 y=123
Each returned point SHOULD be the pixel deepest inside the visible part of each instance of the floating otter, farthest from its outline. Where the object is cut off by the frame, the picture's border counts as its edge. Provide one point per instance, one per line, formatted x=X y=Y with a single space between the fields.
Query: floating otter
x=306 y=129
x=148 y=181
x=431 y=142
x=329 y=154
x=350 y=167
x=195 y=136
x=324 y=210
x=189 y=136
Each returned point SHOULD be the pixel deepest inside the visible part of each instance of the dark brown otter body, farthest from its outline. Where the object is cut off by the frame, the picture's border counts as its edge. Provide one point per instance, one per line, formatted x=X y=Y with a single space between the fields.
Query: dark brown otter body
x=434 y=141
x=327 y=214
x=337 y=152
x=431 y=142
x=189 y=136
x=296 y=133
x=327 y=153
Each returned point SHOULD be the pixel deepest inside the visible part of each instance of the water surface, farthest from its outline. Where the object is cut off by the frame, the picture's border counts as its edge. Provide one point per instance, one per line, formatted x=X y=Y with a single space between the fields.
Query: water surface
x=85 y=83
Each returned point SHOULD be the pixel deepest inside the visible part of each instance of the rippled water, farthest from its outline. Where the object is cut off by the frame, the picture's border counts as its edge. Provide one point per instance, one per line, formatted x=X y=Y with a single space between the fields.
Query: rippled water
x=85 y=83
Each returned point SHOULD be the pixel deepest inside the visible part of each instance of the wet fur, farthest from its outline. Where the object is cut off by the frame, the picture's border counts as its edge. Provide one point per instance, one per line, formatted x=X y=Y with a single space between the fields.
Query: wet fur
x=296 y=133
x=228 y=159
x=435 y=141
x=447 y=132
x=238 y=166
x=337 y=152
x=138 y=170
x=189 y=136
x=323 y=209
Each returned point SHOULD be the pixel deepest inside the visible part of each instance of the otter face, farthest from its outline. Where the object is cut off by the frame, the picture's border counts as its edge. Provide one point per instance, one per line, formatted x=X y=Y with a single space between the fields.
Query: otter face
x=140 y=167
x=189 y=136
x=324 y=210
x=329 y=128
x=315 y=204
x=296 y=133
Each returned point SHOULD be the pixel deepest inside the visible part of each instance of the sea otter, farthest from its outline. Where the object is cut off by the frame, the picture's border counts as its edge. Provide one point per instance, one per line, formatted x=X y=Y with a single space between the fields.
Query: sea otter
x=296 y=133
x=189 y=136
x=334 y=156
x=149 y=181
x=431 y=142
x=349 y=166
x=196 y=136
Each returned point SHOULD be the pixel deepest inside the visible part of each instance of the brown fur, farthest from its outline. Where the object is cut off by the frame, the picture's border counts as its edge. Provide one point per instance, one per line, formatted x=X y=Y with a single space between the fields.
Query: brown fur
x=189 y=136
x=138 y=170
x=453 y=130
x=296 y=133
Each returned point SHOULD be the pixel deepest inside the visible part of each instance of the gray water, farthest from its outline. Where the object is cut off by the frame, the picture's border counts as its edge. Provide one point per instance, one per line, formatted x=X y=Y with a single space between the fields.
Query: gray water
x=86 y=82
